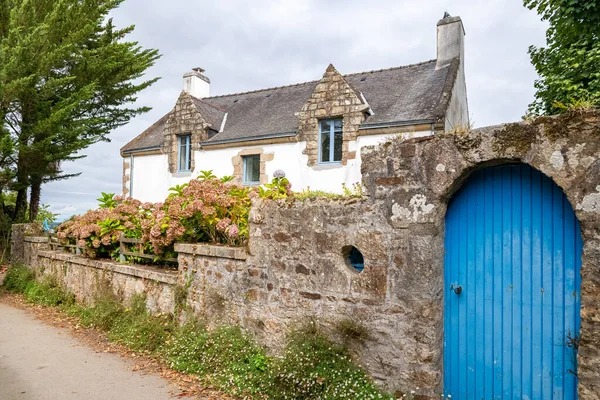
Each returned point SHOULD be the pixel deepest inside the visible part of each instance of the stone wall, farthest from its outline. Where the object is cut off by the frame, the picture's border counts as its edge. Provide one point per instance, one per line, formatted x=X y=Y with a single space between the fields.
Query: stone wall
x=411 y=182
x=295 y=266
x=84 y=277
x=17 y=240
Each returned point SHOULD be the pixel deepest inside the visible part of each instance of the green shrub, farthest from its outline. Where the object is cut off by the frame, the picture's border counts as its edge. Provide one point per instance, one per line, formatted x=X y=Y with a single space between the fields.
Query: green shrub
x=17 y=277
x=48 y=293
x=138 y=329
x=313 y=367
x=228 y=356
x=352 y=331
x=103 y=314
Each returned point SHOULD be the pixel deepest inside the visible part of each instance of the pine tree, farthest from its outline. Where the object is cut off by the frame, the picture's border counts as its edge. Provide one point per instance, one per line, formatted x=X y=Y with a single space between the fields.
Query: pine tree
x=68 y=78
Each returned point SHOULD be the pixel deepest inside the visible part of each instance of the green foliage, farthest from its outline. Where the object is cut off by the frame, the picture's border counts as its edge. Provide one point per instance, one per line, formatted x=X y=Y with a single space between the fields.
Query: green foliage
x=569 y=65
x=576 y=106
x=68 y=77
x=279 y=188
x=103 y=314
x=351 y=330
x=204 y=175
x=20 y=279
x=44 y=214
x=355 y=191
x=226 y=357
x=136 y=328
x=49 y=293
x=313 y=367
x=17 y=277
x=107 y=200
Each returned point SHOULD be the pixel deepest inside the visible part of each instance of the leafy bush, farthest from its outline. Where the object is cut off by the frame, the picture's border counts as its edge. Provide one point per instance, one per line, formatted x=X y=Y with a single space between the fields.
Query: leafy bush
x=103 y=314
x=17 y=278
x=204 y=210
x=48 y=293
x=139 y=330
x=226 y=357
x=313 y=367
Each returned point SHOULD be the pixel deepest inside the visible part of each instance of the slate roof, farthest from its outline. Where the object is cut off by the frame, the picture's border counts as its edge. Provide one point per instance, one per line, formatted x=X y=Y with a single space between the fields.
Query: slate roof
x=416 y=92
x=150 y=138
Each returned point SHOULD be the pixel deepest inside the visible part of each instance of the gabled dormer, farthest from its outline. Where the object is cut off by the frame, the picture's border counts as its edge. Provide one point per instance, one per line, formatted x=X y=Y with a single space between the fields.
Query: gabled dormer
x=330 y=119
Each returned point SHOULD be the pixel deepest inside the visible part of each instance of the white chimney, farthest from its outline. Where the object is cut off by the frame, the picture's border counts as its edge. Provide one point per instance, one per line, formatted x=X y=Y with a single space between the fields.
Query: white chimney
x=196 y=83
x=450 y=41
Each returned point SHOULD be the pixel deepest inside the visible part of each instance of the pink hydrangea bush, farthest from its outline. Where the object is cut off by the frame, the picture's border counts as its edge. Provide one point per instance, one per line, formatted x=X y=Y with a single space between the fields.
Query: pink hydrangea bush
x=204 y=210
x=97 y=232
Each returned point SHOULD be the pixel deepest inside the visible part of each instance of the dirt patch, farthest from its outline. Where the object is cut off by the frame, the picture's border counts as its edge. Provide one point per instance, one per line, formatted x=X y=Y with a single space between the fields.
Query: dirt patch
x=188 y=385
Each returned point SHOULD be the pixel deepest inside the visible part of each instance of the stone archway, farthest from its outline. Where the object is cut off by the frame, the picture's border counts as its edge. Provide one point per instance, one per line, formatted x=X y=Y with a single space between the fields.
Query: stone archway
x=412 y=181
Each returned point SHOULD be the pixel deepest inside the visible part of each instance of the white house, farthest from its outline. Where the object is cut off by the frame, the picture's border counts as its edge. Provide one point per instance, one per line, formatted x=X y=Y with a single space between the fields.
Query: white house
x=313 y=131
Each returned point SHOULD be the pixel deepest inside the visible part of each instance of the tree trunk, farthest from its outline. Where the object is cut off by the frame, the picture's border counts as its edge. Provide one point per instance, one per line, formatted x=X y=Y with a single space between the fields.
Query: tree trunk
x=20 y=206
x=34 y=199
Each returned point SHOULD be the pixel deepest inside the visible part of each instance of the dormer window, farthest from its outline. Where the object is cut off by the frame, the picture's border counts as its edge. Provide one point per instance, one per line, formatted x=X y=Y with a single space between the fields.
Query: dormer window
x=184 y=157
x=330 y=141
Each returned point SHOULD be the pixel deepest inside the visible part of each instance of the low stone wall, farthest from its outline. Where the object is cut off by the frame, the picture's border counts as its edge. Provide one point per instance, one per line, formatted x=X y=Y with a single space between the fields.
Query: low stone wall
x=17 y=244
x=83 y=276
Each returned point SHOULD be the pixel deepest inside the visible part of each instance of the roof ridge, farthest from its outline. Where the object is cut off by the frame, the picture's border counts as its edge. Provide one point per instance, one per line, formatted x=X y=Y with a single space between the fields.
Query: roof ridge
x=260 y=90
x=390 y=68
x=317 y=80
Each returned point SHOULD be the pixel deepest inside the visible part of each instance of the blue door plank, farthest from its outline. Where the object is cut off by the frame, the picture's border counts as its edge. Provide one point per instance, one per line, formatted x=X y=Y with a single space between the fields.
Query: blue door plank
x=547 y=295
x=526 y=283
x=514 y=245
x=488 y=315
x=516 y=281
x=507 y=283
x=480 y=297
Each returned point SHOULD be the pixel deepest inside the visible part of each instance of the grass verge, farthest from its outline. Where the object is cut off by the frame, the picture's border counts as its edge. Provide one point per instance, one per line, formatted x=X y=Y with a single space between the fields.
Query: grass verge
x=311 y=367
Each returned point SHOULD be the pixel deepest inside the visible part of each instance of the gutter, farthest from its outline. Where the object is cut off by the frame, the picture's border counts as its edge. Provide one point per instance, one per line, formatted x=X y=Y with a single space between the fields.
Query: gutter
x=141 y=150
x=396 y=123
x=245 y=139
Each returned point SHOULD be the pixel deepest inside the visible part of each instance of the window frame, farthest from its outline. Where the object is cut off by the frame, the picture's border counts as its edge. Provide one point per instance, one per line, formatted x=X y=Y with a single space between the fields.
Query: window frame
x=331 y=134
x=188 y=152
x=244 y=162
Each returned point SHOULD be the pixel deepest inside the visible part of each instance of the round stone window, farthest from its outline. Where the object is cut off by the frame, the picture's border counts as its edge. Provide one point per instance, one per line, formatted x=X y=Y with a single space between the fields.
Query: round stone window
x=354 y=258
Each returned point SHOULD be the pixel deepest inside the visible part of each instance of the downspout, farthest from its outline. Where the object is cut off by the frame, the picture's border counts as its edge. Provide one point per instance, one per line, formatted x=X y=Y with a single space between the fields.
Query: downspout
x=131 y=176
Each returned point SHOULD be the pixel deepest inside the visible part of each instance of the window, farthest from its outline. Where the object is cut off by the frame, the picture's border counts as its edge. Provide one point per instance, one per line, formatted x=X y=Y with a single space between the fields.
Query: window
x=251 y=170
x=330 y=141
x=354 y=258
x=185 y=153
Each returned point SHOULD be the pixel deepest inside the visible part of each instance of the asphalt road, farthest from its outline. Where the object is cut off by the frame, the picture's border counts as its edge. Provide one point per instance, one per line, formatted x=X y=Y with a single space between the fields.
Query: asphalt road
x=41 y=362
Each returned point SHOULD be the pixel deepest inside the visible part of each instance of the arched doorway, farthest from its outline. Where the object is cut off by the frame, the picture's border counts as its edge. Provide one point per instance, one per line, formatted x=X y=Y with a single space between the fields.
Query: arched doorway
x=512 y=279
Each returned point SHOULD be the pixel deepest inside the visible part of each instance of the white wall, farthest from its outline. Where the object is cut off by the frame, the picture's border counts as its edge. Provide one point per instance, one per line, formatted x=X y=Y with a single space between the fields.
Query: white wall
x=151 y=178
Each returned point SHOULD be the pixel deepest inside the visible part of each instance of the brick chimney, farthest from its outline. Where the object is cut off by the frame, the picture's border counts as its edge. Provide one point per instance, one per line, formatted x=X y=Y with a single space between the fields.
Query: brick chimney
x=450 y=40
x=196 y=83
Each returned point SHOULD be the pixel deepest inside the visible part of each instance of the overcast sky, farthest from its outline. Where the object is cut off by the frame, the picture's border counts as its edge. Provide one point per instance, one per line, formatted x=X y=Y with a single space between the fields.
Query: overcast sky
x=247 y=45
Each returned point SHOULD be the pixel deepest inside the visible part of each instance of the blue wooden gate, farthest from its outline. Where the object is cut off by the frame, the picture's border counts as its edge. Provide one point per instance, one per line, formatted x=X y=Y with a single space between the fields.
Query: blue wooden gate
x=513 y=256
